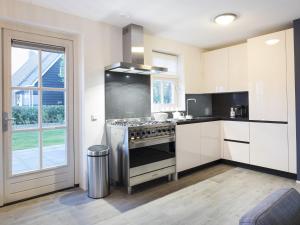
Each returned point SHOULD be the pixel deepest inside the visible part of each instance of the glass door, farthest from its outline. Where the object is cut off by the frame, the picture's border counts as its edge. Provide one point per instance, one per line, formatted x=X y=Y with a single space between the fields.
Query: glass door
x=38 y=132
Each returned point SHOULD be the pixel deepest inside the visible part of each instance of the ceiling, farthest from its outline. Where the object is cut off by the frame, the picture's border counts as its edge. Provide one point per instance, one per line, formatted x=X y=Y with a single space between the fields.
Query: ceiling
x=188 y=21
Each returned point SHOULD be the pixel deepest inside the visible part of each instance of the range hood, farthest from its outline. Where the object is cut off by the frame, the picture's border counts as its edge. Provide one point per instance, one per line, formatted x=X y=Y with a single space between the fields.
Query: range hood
x=133 y=53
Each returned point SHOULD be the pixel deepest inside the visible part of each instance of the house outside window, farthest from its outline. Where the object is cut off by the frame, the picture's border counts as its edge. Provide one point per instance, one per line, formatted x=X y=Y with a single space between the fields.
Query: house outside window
x=164 y=87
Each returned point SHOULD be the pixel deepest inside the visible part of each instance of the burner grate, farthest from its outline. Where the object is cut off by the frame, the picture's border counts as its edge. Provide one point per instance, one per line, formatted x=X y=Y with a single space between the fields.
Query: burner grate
x=136 y=123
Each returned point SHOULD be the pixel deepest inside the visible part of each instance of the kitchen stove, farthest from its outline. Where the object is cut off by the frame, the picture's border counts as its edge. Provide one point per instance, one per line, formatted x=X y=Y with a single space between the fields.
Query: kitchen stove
x=142 y=150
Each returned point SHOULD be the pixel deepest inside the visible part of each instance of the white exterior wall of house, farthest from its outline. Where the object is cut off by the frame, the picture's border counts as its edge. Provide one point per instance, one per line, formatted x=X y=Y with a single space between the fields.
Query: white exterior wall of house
x=96 y=45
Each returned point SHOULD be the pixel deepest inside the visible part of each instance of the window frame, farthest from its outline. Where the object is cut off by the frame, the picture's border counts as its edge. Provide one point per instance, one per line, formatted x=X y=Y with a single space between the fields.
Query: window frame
x=174 y=78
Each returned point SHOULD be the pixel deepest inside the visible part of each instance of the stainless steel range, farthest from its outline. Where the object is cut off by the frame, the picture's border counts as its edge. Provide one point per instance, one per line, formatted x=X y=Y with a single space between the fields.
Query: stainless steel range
x=142 y=150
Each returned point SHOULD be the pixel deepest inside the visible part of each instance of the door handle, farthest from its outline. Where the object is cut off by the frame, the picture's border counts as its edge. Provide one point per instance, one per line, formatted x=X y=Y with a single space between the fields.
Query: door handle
x=6 y=120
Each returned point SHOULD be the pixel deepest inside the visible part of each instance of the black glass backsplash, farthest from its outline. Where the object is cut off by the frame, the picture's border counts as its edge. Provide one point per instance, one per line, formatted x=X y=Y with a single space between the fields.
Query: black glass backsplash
x=202 y=106
x=221 y=103
x=216 y=104
x=127 y=95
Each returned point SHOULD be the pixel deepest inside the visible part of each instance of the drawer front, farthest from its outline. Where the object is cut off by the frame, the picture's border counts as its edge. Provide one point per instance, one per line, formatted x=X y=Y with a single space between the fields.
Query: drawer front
x=234 y=130
x=152 y=166
x=151 y=176
x=238 y=152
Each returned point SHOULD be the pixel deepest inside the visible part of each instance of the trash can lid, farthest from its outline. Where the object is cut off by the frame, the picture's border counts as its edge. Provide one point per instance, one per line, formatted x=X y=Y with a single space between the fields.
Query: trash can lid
x=98 y=150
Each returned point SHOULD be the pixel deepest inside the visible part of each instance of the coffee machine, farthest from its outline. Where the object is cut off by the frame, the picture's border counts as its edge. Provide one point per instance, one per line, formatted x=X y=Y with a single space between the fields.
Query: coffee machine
x=239 y=111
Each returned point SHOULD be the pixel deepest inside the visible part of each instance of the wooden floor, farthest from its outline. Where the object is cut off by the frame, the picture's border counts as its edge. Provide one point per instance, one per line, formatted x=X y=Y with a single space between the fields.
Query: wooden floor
x=201 y=197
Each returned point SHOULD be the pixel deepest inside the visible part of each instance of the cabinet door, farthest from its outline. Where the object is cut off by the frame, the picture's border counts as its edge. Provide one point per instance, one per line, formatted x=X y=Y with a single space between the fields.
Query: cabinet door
x=187 y=146
x=210 y=142
x=216 y=71
x=210 y=150
x=269 y=145
x=238 y=71
x=211 y=129
x=238 y=152
x=234 y=130
x=291 y=101
x=267 y=78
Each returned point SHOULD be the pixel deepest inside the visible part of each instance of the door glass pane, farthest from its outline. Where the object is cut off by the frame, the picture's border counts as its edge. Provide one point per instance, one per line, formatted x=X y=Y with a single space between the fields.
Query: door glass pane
x=25 y=151
x=24 y=109
x=156 y=91
x=53 y=108
x=24 y=67
x=54 y=148
x=53 y=69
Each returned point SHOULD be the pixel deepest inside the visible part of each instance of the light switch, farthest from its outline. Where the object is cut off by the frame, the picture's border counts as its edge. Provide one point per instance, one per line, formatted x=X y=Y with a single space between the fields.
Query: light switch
x=94 y=118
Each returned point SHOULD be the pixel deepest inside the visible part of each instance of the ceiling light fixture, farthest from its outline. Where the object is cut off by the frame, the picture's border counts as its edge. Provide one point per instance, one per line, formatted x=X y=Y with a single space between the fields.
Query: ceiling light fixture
x=272 y=41
x=225 y=19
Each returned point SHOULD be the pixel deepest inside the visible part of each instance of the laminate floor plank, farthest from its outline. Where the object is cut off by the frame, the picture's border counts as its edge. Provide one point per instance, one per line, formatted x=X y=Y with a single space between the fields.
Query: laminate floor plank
x=216 y=195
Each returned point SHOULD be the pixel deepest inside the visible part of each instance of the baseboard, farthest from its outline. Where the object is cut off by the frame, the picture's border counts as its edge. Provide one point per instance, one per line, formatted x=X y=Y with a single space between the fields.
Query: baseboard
x=199 y=167
x=38 y=196
x=261 y=169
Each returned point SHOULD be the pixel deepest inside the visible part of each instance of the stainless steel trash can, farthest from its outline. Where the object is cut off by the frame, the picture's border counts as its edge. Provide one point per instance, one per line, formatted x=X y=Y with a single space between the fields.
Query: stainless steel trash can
x=98 y=171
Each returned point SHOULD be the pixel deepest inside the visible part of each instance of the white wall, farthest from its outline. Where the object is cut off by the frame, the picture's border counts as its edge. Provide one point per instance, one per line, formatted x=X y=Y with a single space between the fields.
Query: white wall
x=96 y=45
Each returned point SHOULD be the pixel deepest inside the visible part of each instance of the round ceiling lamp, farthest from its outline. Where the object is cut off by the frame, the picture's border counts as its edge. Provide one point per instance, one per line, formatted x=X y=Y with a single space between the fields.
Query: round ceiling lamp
x=225 y=19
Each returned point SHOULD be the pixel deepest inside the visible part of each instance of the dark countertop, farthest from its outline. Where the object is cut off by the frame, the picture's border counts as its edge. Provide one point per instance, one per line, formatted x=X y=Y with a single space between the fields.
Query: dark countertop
x=210 y=119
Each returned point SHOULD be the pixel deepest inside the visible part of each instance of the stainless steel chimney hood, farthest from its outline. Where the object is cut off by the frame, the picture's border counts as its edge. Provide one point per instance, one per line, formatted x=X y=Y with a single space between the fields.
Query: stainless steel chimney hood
x=133 y=53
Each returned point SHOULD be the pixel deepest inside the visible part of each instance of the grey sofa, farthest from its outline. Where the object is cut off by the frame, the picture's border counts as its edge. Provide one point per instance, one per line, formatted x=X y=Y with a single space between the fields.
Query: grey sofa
x=280 y=208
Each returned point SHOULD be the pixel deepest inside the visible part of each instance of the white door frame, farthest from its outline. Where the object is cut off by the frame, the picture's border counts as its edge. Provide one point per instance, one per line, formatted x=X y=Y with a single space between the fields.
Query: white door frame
x=1 y=132
x=78 y=89
x=33 y=37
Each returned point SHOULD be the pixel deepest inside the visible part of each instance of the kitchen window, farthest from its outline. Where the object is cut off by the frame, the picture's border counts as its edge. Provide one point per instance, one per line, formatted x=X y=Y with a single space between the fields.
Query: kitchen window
x=164 y=87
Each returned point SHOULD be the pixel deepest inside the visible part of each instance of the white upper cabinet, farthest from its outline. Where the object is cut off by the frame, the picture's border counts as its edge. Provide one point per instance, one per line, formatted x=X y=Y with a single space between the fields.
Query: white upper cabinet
x=267 y=77
x=216 y=71
x=225 y=70
x=238 y=70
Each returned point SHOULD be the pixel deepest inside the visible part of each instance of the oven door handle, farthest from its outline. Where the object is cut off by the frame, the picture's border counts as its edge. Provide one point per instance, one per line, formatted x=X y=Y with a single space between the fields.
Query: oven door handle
x=150 y=141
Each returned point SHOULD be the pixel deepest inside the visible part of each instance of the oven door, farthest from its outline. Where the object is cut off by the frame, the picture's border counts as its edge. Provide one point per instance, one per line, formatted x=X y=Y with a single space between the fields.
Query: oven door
x=146 y=152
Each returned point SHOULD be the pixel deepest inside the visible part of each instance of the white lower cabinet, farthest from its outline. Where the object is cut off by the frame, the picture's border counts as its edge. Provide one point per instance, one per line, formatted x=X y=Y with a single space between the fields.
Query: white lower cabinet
x=210 y=150
x=235 y=132
x=210 y=142
x=238 y=152
x=200 y=143
x=187 y=146
x=269 y=145
x=197 y=144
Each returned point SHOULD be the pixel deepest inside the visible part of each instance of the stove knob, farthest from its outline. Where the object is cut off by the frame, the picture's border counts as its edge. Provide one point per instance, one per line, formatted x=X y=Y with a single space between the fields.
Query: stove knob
x=148 y=132
x=159 y=131
x=164 y=130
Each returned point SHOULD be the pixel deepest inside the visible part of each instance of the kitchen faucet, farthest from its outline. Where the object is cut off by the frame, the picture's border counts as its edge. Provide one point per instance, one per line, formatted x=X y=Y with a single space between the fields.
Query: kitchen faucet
x=187 y=106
